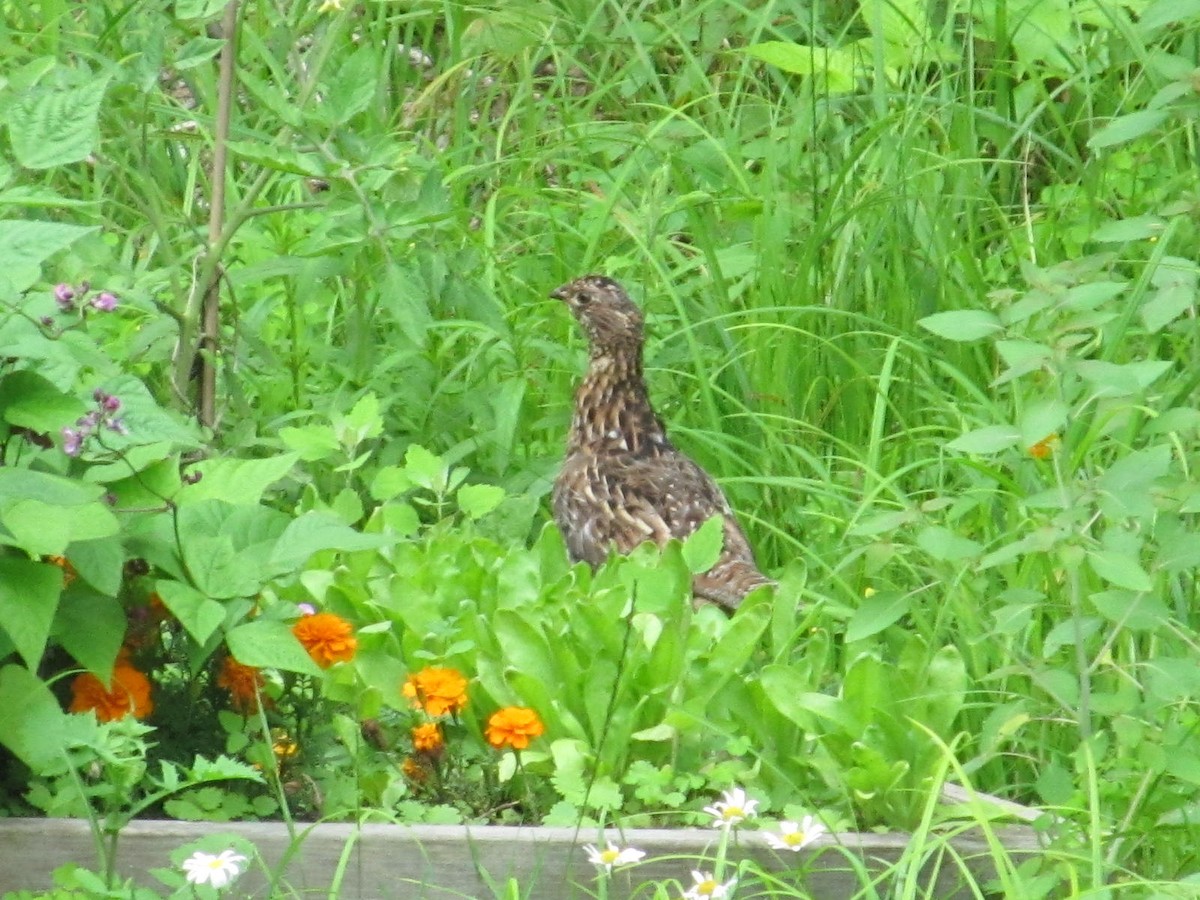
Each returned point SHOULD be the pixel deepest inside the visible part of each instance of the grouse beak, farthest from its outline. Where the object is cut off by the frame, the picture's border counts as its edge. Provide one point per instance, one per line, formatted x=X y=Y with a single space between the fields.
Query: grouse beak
x=559 y=293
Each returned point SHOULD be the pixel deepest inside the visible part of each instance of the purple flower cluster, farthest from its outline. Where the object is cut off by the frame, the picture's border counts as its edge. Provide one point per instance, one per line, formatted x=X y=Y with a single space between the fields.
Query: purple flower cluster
x=103 y=416
x=69 y=298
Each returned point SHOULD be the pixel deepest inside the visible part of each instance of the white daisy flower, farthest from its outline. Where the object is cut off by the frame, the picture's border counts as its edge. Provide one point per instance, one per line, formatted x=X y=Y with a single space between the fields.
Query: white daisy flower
x=734 y=809
x=795 y=836
x=219 y=870
x=705 y=887
x=612 y=855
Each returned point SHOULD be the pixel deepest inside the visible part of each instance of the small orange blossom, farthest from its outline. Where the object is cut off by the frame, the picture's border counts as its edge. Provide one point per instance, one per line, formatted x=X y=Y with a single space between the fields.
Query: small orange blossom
x=328 y=638
x=437 y=689
x=513 y=726
x=129 y=694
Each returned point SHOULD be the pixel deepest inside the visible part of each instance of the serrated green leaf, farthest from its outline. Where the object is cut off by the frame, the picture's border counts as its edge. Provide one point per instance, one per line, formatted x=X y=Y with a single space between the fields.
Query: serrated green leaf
x=52 y=126
x=477 y=500
x=312 y=443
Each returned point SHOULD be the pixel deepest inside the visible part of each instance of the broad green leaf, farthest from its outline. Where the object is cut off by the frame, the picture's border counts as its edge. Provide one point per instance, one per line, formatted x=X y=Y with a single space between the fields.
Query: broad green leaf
x=200 y=615
x=311 y=442
x=100 y=563
x=791 y=697
x=835 y=65
x=198 y=51
x=963 y=324
x=1129 y=127
x=1138 y=228
x=1166 y=305
x=1119 y=569
x=362 y=422
x=946 y=682
x=198 y=9
x=268 y=644
x=51 y=126
x=1121 y=380
x=31 y=401
x=32 y=723
x=1140 y=612
x=477 y=500
x=279 y=158
x=91 y=627
x=702 y=548
x=884 y=523
x=425 y=469
x=988 y=440
x=29 y=593
x=237 y=480
x=25 y=245
x=1042 y=419
x=876 y=613
x=313 y=532
x=390 y=482
x=946 y=545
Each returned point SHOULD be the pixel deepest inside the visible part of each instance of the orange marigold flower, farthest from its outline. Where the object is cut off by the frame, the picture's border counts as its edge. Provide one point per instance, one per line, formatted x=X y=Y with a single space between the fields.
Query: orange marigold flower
x=69 y=573
x=415 y=770
x=243 y=683
x=427 y=738
x=513 y=726
x=437 y=690
x=1044 y=448
x=327 y=638
x=128 y=695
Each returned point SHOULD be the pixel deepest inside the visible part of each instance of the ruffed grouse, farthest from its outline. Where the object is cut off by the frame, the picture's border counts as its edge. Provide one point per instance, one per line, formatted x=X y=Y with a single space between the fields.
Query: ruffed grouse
x=623 y=482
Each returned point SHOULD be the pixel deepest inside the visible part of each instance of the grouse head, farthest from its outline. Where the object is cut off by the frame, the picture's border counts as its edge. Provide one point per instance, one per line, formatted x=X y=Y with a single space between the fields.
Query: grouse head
x=611 y=321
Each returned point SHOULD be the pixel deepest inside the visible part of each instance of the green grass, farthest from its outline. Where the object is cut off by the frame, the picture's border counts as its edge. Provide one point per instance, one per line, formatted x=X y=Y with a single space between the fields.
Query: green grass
x=785 y=236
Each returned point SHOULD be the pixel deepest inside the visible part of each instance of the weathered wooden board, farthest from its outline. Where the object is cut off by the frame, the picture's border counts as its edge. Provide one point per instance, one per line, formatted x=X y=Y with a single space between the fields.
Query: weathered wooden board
x=441 y=862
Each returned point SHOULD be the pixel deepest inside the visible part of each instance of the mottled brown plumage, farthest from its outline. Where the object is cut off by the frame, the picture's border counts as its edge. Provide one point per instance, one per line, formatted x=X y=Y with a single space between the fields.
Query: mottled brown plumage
x=623 y=482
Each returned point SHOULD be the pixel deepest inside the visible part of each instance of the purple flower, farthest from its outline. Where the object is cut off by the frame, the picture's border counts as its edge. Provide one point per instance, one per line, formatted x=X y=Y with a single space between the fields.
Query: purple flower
x=107 y=402
x=306 y=609
x=64 y=296
x=72 y=441
x=117 y=425
x=104 y=302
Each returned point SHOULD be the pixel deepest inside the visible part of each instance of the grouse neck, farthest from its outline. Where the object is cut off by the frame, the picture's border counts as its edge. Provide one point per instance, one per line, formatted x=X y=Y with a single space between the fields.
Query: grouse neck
x=612 y=407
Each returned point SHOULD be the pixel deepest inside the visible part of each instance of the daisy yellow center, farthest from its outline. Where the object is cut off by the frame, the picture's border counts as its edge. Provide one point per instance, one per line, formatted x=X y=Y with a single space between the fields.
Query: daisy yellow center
x=792 y=838
x=215 y=863
x=609 y=856
x=734 y=812
x=706 y=888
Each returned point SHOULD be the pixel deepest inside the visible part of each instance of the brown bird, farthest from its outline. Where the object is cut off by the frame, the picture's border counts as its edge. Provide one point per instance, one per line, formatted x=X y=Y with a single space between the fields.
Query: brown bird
x=623 y=482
